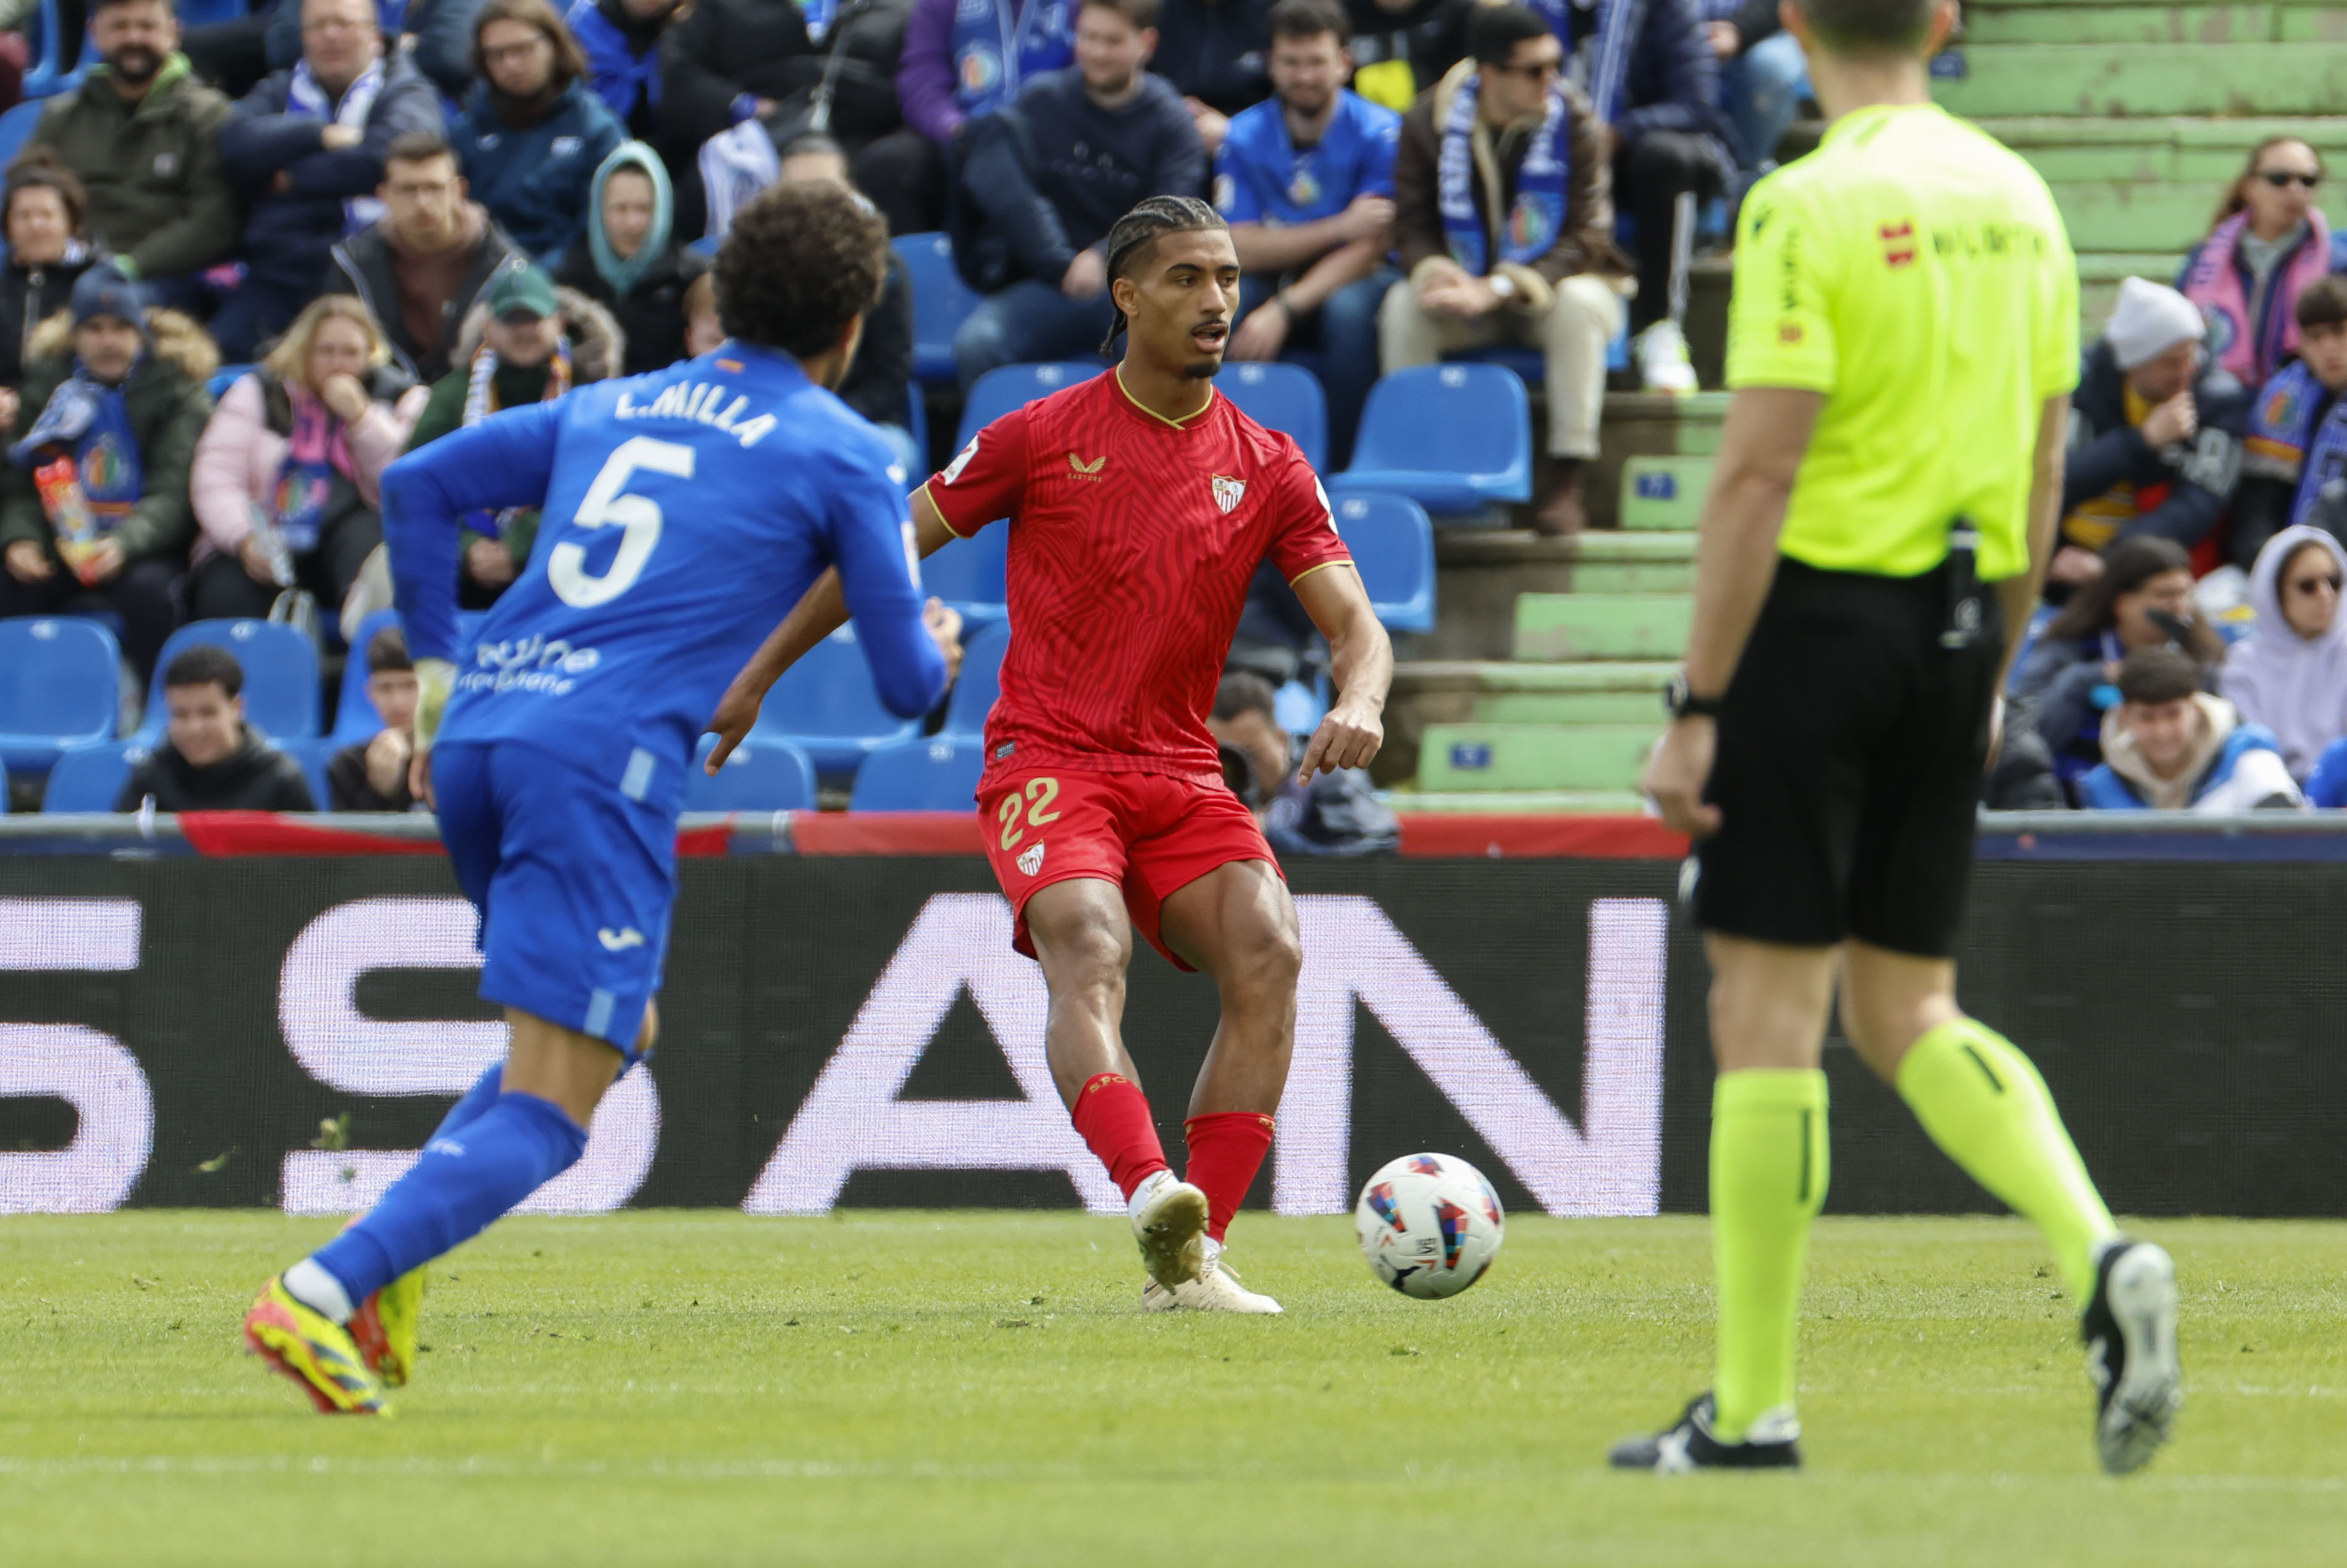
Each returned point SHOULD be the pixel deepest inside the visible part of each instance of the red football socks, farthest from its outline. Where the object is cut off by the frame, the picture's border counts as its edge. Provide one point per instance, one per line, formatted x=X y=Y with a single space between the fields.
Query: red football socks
x=1112 y=1115
x=1226 y=1149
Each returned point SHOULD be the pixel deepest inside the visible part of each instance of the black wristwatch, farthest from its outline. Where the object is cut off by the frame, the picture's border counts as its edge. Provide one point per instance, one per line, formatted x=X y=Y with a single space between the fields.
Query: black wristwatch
x=1681 y=699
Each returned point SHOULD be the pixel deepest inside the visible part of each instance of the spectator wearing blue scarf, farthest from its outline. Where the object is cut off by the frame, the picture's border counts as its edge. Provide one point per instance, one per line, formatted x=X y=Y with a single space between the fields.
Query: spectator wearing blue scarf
x=1503 y=221
x=115 y=402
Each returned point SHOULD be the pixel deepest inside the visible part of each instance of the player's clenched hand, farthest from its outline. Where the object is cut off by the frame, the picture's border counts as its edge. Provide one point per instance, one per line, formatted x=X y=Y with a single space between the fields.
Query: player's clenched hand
x=1347 y=738
x=1676 y=773
x=736 y=711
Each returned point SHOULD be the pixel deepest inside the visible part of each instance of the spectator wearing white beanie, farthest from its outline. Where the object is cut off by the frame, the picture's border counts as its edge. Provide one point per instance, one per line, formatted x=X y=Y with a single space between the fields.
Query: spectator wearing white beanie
x=2149 y=320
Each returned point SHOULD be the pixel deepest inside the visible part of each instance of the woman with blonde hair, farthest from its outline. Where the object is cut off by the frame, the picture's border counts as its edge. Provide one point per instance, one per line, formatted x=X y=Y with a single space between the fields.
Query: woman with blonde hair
x=2268 y=242
x=286 y=476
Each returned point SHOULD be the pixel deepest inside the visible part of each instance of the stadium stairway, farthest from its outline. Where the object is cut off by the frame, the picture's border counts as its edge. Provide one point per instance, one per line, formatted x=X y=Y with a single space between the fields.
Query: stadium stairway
x=1539 y=688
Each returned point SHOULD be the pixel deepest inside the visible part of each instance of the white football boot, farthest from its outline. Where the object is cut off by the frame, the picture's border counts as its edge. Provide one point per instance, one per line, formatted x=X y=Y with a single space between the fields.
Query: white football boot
x=1216 y=1289
x=1169 y=1220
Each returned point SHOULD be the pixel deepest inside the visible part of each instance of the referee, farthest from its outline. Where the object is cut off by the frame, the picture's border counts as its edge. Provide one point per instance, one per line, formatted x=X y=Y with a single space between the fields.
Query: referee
x=1902 y=346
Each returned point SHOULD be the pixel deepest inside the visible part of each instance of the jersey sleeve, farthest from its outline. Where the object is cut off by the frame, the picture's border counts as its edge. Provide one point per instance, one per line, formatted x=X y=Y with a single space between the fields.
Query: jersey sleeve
x=1377 y=159
x=986 y=480
x=1781 y=329
x=1303 y=538
x=879 y=576
x=2055 y=367
x=507 y=460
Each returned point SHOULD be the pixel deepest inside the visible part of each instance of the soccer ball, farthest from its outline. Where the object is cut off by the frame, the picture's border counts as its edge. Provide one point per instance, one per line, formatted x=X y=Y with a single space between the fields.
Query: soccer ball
x=1429 y=1225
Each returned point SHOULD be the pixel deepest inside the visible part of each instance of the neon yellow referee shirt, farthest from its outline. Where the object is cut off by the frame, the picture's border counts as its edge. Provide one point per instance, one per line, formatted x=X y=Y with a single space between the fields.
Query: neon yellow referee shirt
x=1916 y=272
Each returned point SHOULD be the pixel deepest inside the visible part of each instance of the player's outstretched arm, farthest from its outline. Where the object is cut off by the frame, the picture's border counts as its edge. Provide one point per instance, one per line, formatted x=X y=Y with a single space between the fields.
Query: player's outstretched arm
x=1760 y=450
x=820 y=611
x=1361 y=665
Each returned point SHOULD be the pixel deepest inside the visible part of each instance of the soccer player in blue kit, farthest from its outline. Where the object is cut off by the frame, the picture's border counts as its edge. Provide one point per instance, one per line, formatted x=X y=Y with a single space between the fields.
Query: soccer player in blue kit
x=686 y=511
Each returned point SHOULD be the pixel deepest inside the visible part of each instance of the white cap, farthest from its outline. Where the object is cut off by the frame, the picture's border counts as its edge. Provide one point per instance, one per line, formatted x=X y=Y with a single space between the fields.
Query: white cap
x=2149 y=320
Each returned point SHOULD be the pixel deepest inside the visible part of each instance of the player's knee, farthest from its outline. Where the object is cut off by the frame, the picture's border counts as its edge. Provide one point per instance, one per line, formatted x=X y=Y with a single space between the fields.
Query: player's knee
x=1268 y=962
x=1084 y=948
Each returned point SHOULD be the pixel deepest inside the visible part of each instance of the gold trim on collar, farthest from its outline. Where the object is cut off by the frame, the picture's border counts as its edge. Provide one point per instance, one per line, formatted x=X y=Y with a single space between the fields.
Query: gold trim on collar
x=1118 y=371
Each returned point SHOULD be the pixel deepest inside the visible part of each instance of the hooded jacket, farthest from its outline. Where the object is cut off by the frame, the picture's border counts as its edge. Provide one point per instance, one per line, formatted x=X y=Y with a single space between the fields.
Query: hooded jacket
x=157 y=194
x=2293 y=686
x=29 y=296
x=256 y=777
x=2115 y=487
x=2232 y=767
x=1585 y=240
x=533 y=178
x=645 y=294
x=165 y=399
x=365 y=265
x=289 y=234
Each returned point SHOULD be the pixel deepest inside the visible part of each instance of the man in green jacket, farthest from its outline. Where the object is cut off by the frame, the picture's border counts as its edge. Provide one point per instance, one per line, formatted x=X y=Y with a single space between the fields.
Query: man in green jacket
x=93 y=498
x=143 y=135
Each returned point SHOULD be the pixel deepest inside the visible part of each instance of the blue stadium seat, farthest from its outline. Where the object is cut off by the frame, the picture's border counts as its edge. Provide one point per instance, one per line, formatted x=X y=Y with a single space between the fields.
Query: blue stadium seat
x=16 y=127
x=980 y=681
x=87 y=778
x=58 y=61
x=226 y=376
x=1010 y=387
x=968 y=575
x=942 y=301
x=827 y=705
x=762 y=774
x=1452 y=437
x=204 y=13
x=921 y=773
x=1283 y=398
x=281 y=675
x=314 y=755
x=60 y=686
x=354 y=715
x=1392 y=542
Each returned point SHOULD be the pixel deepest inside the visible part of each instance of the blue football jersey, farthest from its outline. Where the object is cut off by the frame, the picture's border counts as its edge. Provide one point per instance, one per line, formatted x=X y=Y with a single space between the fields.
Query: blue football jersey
x=685 y=513
x=1260 y=177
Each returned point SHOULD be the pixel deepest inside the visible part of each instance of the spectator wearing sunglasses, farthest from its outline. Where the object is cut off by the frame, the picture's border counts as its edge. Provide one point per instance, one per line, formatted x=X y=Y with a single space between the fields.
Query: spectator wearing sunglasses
x=2269 y=242
x=2290 y=674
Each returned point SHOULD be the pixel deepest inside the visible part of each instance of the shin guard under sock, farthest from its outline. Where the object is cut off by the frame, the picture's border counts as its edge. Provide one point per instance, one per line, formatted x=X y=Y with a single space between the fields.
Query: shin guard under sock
x=1986 y=1106
x=1226 y=1149
x=1769 y=1170
x=1112 y=1115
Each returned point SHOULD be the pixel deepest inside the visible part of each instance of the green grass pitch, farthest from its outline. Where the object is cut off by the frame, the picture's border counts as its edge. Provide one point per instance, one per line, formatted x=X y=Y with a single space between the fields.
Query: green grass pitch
x=893 y=1387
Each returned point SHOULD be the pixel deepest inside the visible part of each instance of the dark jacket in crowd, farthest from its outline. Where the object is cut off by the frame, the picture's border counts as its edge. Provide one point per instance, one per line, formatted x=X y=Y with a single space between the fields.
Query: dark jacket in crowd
x=1337 y=814
x=157 y=195
x=29 y=296
x=1400 y=54
x=623 y=60
x=1658 y=72
x=363 y=265
x=256 y=777
x=1048 y=176
x=168 y=407
x=1585 y=241
x=1215 y=51
x=349 y=789
x=878 y=383
x=533 y=178
x=2179 y=492
x=288 y=234
x=721 y=56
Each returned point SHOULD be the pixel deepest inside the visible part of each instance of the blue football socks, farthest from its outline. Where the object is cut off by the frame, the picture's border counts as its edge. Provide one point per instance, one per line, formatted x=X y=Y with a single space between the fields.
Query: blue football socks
x=455 y=1189
x=477 y=1098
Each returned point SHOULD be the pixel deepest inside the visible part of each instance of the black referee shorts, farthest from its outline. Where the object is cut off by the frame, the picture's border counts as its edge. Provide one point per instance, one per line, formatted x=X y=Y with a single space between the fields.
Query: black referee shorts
x=1852 y=746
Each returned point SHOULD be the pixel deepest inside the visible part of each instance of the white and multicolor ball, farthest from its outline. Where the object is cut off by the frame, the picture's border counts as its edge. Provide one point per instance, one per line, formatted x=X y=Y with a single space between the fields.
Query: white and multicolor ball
x=1429 y=1225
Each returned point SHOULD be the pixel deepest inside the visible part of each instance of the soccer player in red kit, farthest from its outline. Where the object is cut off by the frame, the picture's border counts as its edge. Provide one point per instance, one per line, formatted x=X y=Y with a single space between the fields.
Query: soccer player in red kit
x=1140 y=504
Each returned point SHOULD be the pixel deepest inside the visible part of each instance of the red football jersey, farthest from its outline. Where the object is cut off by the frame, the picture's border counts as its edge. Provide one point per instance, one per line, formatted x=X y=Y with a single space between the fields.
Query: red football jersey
x=1133 y=540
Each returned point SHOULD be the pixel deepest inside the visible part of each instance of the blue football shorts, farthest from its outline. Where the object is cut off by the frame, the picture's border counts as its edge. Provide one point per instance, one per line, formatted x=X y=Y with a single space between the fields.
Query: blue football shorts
x=574 y=880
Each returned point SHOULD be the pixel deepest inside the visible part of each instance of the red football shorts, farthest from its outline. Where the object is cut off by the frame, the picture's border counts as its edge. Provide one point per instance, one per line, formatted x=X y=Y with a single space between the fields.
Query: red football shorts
x=1150 y=835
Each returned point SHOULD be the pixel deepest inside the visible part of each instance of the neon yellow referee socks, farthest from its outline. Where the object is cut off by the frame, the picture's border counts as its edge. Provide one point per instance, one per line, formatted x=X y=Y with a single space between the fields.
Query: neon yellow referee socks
x=1768 y=1183
x=1984 y=1104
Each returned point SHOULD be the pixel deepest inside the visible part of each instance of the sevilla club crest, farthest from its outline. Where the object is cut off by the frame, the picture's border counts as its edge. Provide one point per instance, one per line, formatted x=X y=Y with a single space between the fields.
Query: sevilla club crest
x=1228 y=492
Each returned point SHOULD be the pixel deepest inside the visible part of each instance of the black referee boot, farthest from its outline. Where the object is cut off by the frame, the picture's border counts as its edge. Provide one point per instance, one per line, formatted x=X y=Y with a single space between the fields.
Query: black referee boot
x=1689 y=1446
x=2129 y=1330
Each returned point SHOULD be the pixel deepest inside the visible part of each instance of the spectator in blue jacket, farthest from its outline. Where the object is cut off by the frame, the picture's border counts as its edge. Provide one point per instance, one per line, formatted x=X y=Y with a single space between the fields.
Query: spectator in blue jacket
x=1307 y=183
x=305 y=152
x=1043 y=179
x=532 y=132
x=1654 y=80
x=2170 y=747
x=621 y=41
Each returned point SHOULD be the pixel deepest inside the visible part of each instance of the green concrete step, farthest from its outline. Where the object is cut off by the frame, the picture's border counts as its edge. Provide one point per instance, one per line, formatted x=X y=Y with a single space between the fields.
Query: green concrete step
x=2066 y=149
x=1664 y=493
x=1477 y=758
x=1562 y=627
x=2125 y=79
x=2147 y=215
x=2105 y=23
x=1521 y=801
x=1480 y=572
x=1430 y=692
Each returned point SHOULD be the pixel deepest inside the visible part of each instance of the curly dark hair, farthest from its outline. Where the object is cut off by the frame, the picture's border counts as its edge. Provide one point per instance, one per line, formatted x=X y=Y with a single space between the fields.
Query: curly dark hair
x=803 y=260
x=1135 y=234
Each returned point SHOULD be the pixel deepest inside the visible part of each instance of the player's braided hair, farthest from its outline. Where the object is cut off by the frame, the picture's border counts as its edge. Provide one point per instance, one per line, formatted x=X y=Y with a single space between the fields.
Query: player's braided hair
x=1138 y=230
x=802 y=262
